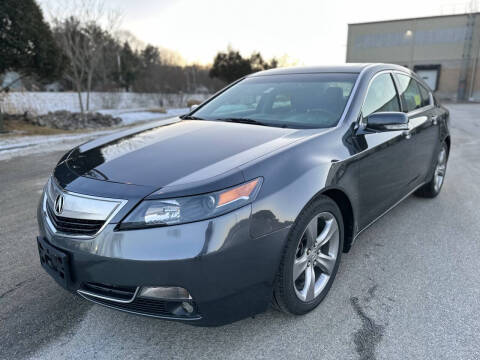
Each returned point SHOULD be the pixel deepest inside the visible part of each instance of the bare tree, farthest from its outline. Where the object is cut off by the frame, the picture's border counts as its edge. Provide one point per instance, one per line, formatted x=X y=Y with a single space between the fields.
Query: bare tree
x=81 y=29
x=123 y=36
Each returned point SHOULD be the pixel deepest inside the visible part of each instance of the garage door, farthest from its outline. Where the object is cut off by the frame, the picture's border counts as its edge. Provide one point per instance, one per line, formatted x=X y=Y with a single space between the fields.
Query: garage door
x=430 y=77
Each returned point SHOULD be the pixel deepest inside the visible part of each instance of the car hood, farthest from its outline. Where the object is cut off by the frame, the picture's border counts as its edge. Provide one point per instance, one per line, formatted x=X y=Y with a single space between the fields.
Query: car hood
x=177 y=151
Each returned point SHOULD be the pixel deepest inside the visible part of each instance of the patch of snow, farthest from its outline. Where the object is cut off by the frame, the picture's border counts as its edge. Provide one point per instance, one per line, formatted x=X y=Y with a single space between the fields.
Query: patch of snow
x=14 y=146
x=25 y=145
x=39 y=103
x=116 y=112
x=133 y=116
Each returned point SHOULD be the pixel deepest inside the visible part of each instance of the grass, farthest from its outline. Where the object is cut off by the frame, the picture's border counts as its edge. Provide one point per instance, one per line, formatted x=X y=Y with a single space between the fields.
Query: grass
x=157 y=110
x=192 y=102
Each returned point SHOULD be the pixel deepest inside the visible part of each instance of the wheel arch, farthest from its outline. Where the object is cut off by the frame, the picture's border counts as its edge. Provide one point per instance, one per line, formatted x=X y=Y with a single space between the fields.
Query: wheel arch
x=343 y=202
x=448 y=142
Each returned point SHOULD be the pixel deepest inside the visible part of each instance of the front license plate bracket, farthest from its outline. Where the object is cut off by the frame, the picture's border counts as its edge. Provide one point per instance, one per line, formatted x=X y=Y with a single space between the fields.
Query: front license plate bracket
x=55 y=262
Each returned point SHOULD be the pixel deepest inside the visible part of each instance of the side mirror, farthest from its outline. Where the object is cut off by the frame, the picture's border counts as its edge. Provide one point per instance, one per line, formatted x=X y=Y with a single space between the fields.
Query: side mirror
x=193 y=107
x=387 y=121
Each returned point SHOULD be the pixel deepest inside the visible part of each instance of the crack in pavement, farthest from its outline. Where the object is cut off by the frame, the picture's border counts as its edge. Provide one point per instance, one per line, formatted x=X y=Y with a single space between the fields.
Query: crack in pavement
x=370 y=334
x=15 y=287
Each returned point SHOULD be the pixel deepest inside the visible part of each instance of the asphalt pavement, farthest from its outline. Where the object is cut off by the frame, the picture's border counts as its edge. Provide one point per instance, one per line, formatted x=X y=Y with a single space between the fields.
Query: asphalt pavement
x=408 y=289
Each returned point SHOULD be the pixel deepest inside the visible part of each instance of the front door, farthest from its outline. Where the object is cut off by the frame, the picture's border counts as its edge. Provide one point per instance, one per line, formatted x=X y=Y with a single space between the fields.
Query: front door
x=381 y=169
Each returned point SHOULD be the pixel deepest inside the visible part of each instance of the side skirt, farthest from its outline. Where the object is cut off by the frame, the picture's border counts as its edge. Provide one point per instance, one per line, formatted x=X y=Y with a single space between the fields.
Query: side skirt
x=386 y=211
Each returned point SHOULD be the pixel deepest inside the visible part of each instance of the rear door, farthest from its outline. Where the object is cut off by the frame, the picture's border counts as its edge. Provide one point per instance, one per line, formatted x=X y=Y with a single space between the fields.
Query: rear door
x=417 y=102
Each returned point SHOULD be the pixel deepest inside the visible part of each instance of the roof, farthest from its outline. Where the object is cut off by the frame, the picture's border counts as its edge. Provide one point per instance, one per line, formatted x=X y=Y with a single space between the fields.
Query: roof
x=414 y=18
x=342 y=68
x=351 y=68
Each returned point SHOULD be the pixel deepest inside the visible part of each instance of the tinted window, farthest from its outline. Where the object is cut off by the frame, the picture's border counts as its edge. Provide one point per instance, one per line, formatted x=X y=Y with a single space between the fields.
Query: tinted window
x=293 y=100
x=410 y=92
x=381 y=96
x=425 y=95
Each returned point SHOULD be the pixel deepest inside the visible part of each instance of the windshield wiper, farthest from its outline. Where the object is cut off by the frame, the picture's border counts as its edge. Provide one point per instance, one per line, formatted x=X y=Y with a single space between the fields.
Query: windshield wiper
x=190 y=117
x=243 y=121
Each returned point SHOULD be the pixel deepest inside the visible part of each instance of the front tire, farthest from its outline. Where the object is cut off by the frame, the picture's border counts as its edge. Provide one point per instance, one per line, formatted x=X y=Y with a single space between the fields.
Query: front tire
x=434 y=186
x=311 y=258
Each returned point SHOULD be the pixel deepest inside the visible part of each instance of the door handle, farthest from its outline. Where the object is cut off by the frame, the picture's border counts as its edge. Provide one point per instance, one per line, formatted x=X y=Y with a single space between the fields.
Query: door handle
x=434 y=120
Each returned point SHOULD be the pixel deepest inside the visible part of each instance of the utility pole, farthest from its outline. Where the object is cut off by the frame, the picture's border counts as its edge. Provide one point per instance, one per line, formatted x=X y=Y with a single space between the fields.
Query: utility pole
x=2 y=129
x=467 y=54
x=473 y=10
x=474 y=72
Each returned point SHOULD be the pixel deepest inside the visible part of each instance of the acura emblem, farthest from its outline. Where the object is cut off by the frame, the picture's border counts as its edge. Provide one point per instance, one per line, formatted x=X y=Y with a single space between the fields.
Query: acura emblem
x=59 y=204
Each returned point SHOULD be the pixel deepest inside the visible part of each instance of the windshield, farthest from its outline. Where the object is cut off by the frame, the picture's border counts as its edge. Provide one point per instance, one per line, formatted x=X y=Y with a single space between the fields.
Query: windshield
x=294 y=100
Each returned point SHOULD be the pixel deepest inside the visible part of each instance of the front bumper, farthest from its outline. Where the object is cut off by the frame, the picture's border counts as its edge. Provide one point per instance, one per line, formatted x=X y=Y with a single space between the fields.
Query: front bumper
x=228 y=273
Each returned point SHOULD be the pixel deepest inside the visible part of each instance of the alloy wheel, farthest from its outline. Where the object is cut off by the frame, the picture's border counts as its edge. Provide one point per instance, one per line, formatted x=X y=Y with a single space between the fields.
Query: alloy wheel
x=316 y=256
x=440 y=169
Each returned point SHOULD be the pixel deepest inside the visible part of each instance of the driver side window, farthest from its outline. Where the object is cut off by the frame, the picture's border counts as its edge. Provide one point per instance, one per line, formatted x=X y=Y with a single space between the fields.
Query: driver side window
x=381 y=96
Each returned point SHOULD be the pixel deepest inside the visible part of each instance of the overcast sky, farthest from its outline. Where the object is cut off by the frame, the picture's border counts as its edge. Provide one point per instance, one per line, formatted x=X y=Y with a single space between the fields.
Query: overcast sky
x=308 y=31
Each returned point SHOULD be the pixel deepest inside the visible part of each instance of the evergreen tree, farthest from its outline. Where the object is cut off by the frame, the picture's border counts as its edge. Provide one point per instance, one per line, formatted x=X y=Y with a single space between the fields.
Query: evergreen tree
x=129 y=66
x=26 y=42
x=150 y=56
x=231 y=66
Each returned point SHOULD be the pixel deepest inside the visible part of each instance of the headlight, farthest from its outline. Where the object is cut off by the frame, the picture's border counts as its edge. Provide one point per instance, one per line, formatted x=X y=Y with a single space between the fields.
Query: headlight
x=151 y=213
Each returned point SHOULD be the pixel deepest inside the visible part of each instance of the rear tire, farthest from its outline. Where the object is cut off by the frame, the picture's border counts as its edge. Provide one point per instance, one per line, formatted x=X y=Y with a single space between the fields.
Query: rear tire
x=311 y=258
x=434 y=186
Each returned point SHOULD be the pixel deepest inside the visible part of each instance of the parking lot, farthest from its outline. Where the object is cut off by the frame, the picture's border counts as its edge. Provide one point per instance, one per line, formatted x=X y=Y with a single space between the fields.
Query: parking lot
x=409 y=288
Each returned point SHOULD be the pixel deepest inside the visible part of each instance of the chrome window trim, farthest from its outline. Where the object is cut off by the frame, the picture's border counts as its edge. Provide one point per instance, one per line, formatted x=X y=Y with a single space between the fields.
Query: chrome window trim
x=390 y=72
x=419 y=110
x=120 y=204
x=92 y=294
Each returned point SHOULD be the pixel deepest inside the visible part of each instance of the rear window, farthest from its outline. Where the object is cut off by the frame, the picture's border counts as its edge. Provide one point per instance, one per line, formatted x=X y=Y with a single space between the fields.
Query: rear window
x=409 y=90
x=425 y=95
x=293 y=100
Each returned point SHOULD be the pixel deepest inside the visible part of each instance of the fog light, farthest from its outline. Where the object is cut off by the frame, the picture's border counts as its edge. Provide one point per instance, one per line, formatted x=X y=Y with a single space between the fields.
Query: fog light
x=165 y=292
x=187 y=307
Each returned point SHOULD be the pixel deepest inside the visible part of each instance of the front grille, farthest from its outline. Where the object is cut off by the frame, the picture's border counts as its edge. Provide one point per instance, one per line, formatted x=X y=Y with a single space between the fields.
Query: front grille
x=74 y=226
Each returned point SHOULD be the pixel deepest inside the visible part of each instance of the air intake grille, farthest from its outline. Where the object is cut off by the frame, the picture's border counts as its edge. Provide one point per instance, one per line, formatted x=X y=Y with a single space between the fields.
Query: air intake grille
x=139 y=305
x=100 y=293
x=74 y=226
x=112 y=291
